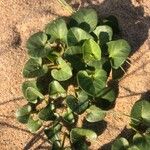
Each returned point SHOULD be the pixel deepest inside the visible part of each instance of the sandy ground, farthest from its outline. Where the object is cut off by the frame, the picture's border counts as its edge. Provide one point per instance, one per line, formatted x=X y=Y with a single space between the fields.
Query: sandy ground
x=21 y=18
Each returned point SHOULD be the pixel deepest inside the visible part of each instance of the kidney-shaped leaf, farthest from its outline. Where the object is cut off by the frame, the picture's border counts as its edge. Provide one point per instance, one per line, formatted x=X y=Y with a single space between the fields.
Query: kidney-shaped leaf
x=104 y=34
x=53 y=134
x=118 y=52
x=34 y=125
x=140 y=113
x=120 y=144
x=95 y=114
x=92 y=84
x=56 y=90
x=23 y=113
x=34 y=68
x=68 y=116
x=75 y=35
x=57 y=30
x=36 y=45
x=91 y=51
x=77 y=134
x=142 y=141
x=108 y=94
x=33 y=95
x=47 y=113
x=63 y=72
x=85 y=18
x=78 y=104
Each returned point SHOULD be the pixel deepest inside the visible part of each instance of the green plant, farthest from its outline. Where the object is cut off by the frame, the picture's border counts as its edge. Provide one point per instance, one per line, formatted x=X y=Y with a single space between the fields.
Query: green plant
x=69 y=66
x=140 y=124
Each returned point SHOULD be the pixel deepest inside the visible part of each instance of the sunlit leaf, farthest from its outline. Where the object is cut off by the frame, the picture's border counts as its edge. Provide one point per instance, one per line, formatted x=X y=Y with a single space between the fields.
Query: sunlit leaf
x=68 y=116
x=85 y=18
x=36 y=45
x=118 y=52
x=33 y=95
x=56 y=90
x=57 y=30
x=76 y=35
x=120 y=144
x=91 y=51
x=34 y=125
x=140 y=113
x=23 y=113
x=34 y=68
x=63 y=72
x=92 y=84
x=95 y=114
x=77 y=134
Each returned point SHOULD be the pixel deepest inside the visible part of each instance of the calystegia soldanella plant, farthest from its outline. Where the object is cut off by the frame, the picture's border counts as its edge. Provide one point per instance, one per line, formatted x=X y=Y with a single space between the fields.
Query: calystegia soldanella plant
x=69 y=66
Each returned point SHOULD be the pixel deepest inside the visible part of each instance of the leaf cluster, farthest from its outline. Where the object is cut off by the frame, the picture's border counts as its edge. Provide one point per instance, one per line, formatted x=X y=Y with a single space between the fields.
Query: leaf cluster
x=67 y=73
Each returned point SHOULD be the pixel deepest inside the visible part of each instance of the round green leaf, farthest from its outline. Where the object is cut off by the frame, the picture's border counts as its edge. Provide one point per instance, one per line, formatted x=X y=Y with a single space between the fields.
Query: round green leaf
x=142 y=141
x=133 y=147
x=63 y=72
x=36 y=45
x=78 y=104
x=26 y=84
x=57 y=30
x=33 y=95
x=34 y=68
x=47 y=113
x=118 y=52
x=73 y=50
x=75 y=35
x=120 y=144
x=33 y=125
x=95 y=114
x=91 y=51
x=56 y=90
x=140 y=113
x=23 y=113
x=92 y=84
x=80 y=145
x=68 y=116
x=53 y=134
x=108 y=94
x=77 y=134
x=104 y=34
x=85 y=18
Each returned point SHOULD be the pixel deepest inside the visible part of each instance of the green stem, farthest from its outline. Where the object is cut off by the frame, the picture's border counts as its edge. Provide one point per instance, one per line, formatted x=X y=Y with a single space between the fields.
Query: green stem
x=66 y=6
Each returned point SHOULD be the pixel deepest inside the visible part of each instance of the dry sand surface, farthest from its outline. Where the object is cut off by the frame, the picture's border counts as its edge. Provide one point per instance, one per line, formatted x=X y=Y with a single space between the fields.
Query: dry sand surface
x=21 y=18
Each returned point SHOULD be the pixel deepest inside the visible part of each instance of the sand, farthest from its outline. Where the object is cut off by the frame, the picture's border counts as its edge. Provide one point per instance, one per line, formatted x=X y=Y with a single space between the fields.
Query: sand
x=21 y=18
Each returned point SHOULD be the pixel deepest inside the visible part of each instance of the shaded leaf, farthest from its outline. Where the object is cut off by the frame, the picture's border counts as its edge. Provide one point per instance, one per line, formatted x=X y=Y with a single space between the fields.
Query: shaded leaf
x=56 y=90
x=36 y=45
x=76 y=35
x=47 y=113
x=118 y=52
x=80 y=145
x=33 y=95
x=78 y=104
x=33 y=125
x=85 y=18
x=52 y=134
x=57 y=30
x=104 y=34
x=95 y=114
x=63 y=72
x=23 y=113
x=34 y=68
x=77 y=134
x=91 y=51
